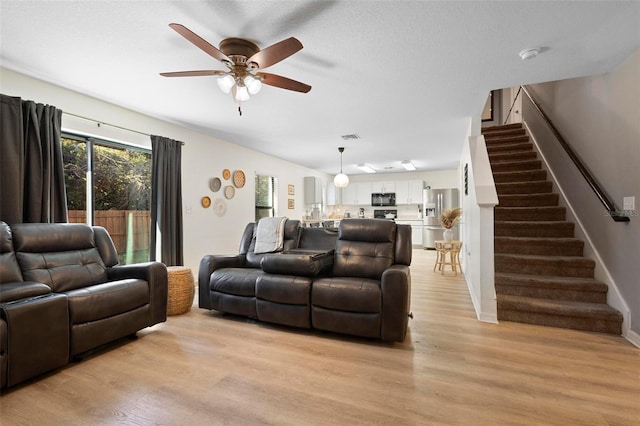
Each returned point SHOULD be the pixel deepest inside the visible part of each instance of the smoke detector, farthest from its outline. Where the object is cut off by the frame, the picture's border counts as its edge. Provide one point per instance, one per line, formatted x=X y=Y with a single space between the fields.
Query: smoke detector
x=529 y=53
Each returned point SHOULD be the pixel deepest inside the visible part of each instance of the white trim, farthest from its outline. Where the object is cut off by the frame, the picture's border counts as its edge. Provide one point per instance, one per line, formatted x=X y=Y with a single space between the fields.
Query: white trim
x=614 y=297
x=633 y=337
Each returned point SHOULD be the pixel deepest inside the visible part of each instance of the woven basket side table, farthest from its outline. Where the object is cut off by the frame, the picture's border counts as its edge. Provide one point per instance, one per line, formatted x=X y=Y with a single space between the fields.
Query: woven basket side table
x=181 y=290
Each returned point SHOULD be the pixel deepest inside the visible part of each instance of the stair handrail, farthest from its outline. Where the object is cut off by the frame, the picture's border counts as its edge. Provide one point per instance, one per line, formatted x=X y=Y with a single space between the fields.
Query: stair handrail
x=611 y=209
x=512 y=104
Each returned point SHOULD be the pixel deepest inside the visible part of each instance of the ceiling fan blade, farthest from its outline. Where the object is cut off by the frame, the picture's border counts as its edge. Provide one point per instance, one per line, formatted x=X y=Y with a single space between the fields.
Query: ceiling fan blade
x=204 y=45
x=199 y=73
x=275 y=53
x=283 y=82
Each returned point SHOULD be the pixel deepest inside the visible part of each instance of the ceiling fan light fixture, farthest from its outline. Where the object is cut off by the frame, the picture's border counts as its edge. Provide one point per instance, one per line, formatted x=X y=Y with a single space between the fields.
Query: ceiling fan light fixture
x=253 y=84
x=225 y=83
x=408 y=165
x=341 y=180
x=242 y=94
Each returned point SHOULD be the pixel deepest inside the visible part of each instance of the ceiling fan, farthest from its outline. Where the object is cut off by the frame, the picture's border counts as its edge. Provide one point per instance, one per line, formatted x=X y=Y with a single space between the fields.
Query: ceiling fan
x=244 y=60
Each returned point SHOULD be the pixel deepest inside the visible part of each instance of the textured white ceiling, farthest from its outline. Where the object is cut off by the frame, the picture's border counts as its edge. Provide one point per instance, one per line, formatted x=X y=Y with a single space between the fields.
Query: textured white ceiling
x=404 y=75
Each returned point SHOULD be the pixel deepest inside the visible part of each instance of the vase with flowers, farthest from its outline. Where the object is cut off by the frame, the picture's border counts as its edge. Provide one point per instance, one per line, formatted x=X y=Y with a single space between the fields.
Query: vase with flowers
x=448 y=218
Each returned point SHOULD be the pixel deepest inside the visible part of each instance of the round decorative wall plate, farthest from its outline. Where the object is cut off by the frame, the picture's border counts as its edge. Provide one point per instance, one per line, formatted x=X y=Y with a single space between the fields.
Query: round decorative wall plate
x=219 y=207
x=226 y=174
x=229 y=192
x=215 y=184
x=238 y=178
x=206 y=202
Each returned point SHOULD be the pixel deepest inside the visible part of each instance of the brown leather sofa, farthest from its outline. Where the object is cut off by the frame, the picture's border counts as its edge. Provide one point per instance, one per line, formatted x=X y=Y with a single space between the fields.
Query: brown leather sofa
x=63 y=293
x=352 y=280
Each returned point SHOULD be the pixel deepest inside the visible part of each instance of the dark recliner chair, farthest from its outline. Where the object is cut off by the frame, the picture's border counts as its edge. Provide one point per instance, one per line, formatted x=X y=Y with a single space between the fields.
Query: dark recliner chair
x=63 y=293
x=369 y=291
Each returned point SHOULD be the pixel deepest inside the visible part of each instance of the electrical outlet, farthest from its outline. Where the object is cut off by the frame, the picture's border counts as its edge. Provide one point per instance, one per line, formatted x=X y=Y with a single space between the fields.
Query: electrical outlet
x=629 y=203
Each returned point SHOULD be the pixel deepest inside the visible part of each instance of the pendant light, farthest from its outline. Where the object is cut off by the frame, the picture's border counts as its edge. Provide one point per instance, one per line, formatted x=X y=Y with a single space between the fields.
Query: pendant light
x=341 y=180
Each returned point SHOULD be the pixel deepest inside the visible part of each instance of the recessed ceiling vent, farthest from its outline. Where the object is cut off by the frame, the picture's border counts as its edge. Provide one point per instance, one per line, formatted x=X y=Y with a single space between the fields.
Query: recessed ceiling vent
x=350 y=137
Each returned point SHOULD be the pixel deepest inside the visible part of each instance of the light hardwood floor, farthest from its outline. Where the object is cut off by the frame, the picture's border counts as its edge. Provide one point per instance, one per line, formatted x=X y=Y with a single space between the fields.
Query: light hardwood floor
x=202 y=368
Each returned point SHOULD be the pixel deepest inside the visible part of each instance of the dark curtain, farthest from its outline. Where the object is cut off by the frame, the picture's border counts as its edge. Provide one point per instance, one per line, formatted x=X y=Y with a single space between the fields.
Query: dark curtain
x=166 y=200
x=32 y=171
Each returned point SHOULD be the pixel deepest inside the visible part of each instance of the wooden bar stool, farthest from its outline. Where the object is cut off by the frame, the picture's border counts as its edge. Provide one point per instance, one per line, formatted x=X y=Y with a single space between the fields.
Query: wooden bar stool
x=450 y=248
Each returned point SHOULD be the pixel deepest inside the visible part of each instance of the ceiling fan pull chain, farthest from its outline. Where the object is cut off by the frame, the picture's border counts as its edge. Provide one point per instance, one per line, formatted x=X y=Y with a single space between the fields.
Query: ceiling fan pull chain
x=240 y=111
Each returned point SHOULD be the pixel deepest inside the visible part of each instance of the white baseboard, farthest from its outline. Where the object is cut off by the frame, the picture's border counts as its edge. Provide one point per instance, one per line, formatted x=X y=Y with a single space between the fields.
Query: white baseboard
x=633 y=337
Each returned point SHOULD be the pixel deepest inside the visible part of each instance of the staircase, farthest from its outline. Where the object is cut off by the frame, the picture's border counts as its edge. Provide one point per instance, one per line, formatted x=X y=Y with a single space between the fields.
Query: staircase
x=541 y=276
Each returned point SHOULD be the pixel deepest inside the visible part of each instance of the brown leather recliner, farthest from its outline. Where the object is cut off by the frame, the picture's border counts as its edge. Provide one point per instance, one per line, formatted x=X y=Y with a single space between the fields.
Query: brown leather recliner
x=63 y=292
x=369 y=291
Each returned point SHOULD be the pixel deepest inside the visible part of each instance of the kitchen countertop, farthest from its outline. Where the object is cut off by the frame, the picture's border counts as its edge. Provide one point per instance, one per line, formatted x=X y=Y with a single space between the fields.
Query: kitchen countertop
x=408 y=219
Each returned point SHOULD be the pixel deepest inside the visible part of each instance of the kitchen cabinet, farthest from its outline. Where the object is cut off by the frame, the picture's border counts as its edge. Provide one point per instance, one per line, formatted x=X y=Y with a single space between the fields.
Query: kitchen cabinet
x=415 y=192
x=312 y=190
x=364 y=193
x=409 y=191
x=350 y=194
x=334 y=195
x=382 y=187
x=416 y=231
x=356 y=194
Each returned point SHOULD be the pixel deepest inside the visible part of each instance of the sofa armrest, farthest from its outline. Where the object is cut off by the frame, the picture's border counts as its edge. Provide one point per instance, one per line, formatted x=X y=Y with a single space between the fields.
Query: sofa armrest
x=22 y=290
x=208 y=265
x=155 y=273
x=396 y=296
x=306 y=263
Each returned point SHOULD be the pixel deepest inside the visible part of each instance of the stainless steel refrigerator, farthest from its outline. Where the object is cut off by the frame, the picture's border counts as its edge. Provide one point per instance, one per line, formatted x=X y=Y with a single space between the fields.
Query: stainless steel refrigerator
x=435 y=201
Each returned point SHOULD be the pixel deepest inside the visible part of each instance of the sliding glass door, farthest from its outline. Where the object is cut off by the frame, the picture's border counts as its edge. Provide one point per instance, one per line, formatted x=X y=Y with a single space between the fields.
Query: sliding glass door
x=109 y=185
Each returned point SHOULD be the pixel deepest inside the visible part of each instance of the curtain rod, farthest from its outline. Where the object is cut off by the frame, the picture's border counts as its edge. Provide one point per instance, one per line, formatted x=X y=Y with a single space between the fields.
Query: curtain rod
x=99 y=123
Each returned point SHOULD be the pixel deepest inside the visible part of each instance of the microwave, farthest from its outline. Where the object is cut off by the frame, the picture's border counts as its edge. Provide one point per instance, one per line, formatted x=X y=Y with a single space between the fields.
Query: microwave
x=383 y=199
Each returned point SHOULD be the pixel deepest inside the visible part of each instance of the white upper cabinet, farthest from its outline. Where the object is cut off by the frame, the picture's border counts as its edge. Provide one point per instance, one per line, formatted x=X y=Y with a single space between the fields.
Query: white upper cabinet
x=382 y=187
x=312 y=190
x=364 y=193
x=357 y=194
x=409 y=191
x=415 y=191
x=334 y=195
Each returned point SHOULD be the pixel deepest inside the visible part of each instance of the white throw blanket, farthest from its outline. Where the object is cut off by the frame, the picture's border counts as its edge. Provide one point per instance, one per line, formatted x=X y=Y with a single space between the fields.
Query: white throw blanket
x=270 y=234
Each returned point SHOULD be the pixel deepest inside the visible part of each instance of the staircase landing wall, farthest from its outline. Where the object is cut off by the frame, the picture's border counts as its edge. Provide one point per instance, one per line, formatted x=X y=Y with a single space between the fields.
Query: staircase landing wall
x=598 y=116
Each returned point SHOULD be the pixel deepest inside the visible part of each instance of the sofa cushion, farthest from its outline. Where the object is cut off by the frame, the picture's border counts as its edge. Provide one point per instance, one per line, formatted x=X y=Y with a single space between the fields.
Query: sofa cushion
x=106 y=300
x=361 y=295
x=307 y=263
x=318 y=238
x=236 y=281
x=22 y=290
x=365 y=248
x=63 y=256
x=64 y=271
x=287 y=289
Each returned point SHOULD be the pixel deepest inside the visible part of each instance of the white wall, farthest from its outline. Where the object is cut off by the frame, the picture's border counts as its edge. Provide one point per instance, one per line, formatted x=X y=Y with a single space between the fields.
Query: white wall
x=477 y=224
x=203 y=157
